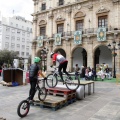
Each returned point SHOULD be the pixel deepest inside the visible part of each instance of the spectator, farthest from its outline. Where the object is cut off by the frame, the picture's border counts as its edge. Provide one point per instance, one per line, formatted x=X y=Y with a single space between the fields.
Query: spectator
x=82 y=75
x=77 y=69
x=101 y=74
x=87 y=73
x=94 y=74
x=90 y=74
x=107 y=70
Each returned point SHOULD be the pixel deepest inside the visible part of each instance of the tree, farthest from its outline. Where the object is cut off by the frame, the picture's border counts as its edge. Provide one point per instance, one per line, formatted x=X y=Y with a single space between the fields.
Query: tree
x=7 y=56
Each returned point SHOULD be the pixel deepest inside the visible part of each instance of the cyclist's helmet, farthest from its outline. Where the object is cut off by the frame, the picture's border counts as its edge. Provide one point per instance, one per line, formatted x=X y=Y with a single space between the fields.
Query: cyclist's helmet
x=52 y=53
x=37 y=59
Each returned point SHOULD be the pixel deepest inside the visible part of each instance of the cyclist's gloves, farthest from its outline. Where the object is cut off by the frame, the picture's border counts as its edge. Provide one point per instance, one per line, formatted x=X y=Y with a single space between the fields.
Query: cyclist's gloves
x=45 y=78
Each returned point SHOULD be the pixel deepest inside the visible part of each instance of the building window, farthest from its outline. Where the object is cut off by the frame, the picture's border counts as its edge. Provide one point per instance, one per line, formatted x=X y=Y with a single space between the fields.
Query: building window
x=12 y=45
x=13 y=38
x=23 y=40
x=22 y=53
x=6 y=45
x=7 y=29
x=27 y=48
x=13 y=31
x=28 y=34
x=18 y=46
x=23 y=46
x=27 y=54
x=60 y=28
x=61 y=2
x=42 y=31
x=23 y=33
x=18 y=31
x=43 y=7
x=17 y=52
x=7 y=37
x=18 y=39
x=79 y=25
x=102 y=21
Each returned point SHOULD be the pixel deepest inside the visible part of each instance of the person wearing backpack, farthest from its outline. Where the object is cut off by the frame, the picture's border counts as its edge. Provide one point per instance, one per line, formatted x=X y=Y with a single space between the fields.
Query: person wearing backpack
x=33 y=77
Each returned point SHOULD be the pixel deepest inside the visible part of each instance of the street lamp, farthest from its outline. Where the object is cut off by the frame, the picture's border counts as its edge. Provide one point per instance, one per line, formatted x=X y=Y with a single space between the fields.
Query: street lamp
x=43 y=53
x=114 y=54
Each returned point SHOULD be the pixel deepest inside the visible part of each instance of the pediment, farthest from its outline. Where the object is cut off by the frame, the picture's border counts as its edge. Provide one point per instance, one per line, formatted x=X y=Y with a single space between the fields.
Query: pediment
x=60 y=18
x=42 y=22
x=102 y=10
x=79 y=15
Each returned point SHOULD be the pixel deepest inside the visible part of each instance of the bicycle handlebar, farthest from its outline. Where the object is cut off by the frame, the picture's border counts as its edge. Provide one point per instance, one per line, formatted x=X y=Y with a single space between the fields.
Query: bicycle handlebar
x=54 y=67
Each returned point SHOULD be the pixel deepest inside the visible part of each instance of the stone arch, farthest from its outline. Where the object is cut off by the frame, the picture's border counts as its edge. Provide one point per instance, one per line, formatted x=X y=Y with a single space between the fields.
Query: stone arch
x=79 y=56
x=79 y=14
x=61 y=51
x=100 y=56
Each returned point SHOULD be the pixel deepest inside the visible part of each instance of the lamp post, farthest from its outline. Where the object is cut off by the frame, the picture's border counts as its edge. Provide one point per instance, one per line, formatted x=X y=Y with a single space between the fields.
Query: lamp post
x=43 y=53
x=114 y=54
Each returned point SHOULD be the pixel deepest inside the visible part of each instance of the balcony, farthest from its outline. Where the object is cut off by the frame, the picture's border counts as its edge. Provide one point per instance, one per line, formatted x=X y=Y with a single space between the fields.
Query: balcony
x=92 y=31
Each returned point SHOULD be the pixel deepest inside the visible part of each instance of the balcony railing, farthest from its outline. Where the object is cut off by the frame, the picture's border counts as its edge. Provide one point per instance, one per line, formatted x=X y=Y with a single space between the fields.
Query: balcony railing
x=86 y=31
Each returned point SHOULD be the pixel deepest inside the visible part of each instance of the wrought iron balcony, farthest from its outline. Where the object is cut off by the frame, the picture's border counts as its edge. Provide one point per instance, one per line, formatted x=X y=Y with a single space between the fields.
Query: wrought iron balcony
x=86 y=31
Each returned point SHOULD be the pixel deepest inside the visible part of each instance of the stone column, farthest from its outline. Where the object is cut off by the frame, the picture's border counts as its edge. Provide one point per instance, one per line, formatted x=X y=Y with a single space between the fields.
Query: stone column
x=67 y=47
x=49 y=60
x=50 y=30
x=90 y=57
x=34 y=28
x=33 y=51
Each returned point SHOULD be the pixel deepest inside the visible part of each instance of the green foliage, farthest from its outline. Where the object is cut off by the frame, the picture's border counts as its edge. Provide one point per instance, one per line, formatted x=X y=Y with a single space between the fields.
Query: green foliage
x=7 y=56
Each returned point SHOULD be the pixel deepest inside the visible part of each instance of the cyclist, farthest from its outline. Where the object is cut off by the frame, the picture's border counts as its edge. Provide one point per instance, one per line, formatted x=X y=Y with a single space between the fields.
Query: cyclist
x=33 y=75
x=62 y=63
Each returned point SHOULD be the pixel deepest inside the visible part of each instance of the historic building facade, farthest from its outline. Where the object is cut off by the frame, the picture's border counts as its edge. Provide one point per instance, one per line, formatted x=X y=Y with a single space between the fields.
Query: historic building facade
x=79 y=29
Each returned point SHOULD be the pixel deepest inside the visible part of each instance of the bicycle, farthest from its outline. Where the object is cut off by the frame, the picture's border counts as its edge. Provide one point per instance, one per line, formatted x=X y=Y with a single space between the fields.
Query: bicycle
x=53 y=78
x=24 y=106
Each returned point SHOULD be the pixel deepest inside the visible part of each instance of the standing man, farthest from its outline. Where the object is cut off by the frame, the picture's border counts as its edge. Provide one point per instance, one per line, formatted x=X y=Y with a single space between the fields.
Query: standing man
x=33 y=76
x=77 y=69
x=62 y=63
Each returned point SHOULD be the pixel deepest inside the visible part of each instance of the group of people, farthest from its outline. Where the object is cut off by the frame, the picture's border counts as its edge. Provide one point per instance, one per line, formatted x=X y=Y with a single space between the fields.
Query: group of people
x=85 y=73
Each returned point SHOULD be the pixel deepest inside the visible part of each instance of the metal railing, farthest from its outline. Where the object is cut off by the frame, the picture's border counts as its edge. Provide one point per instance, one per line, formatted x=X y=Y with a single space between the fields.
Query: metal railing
x=86 y=31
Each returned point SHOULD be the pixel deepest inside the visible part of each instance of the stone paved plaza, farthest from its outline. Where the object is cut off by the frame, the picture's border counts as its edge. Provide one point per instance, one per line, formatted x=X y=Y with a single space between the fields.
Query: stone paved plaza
x=104 y=104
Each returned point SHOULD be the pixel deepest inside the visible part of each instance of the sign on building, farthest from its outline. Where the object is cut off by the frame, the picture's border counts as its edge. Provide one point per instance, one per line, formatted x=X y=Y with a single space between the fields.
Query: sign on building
x=78 y=37
x=57 y=39
x=101 y=34
x=40 y=41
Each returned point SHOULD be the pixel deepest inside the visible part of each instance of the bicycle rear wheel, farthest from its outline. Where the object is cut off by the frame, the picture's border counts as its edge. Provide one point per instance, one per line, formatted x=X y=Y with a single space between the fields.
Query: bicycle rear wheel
x=42 y=93
x=72 y=84
x=23 y=108
x=51 y=81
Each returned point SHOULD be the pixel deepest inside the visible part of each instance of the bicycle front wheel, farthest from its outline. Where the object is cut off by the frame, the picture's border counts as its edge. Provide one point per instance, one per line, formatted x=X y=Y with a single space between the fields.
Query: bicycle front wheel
x=72 y=84
x=51 y=81
x=42 y=94
x=23 y=108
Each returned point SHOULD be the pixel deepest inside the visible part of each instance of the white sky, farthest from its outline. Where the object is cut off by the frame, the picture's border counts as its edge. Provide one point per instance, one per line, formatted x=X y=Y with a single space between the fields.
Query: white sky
x=23 y=8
